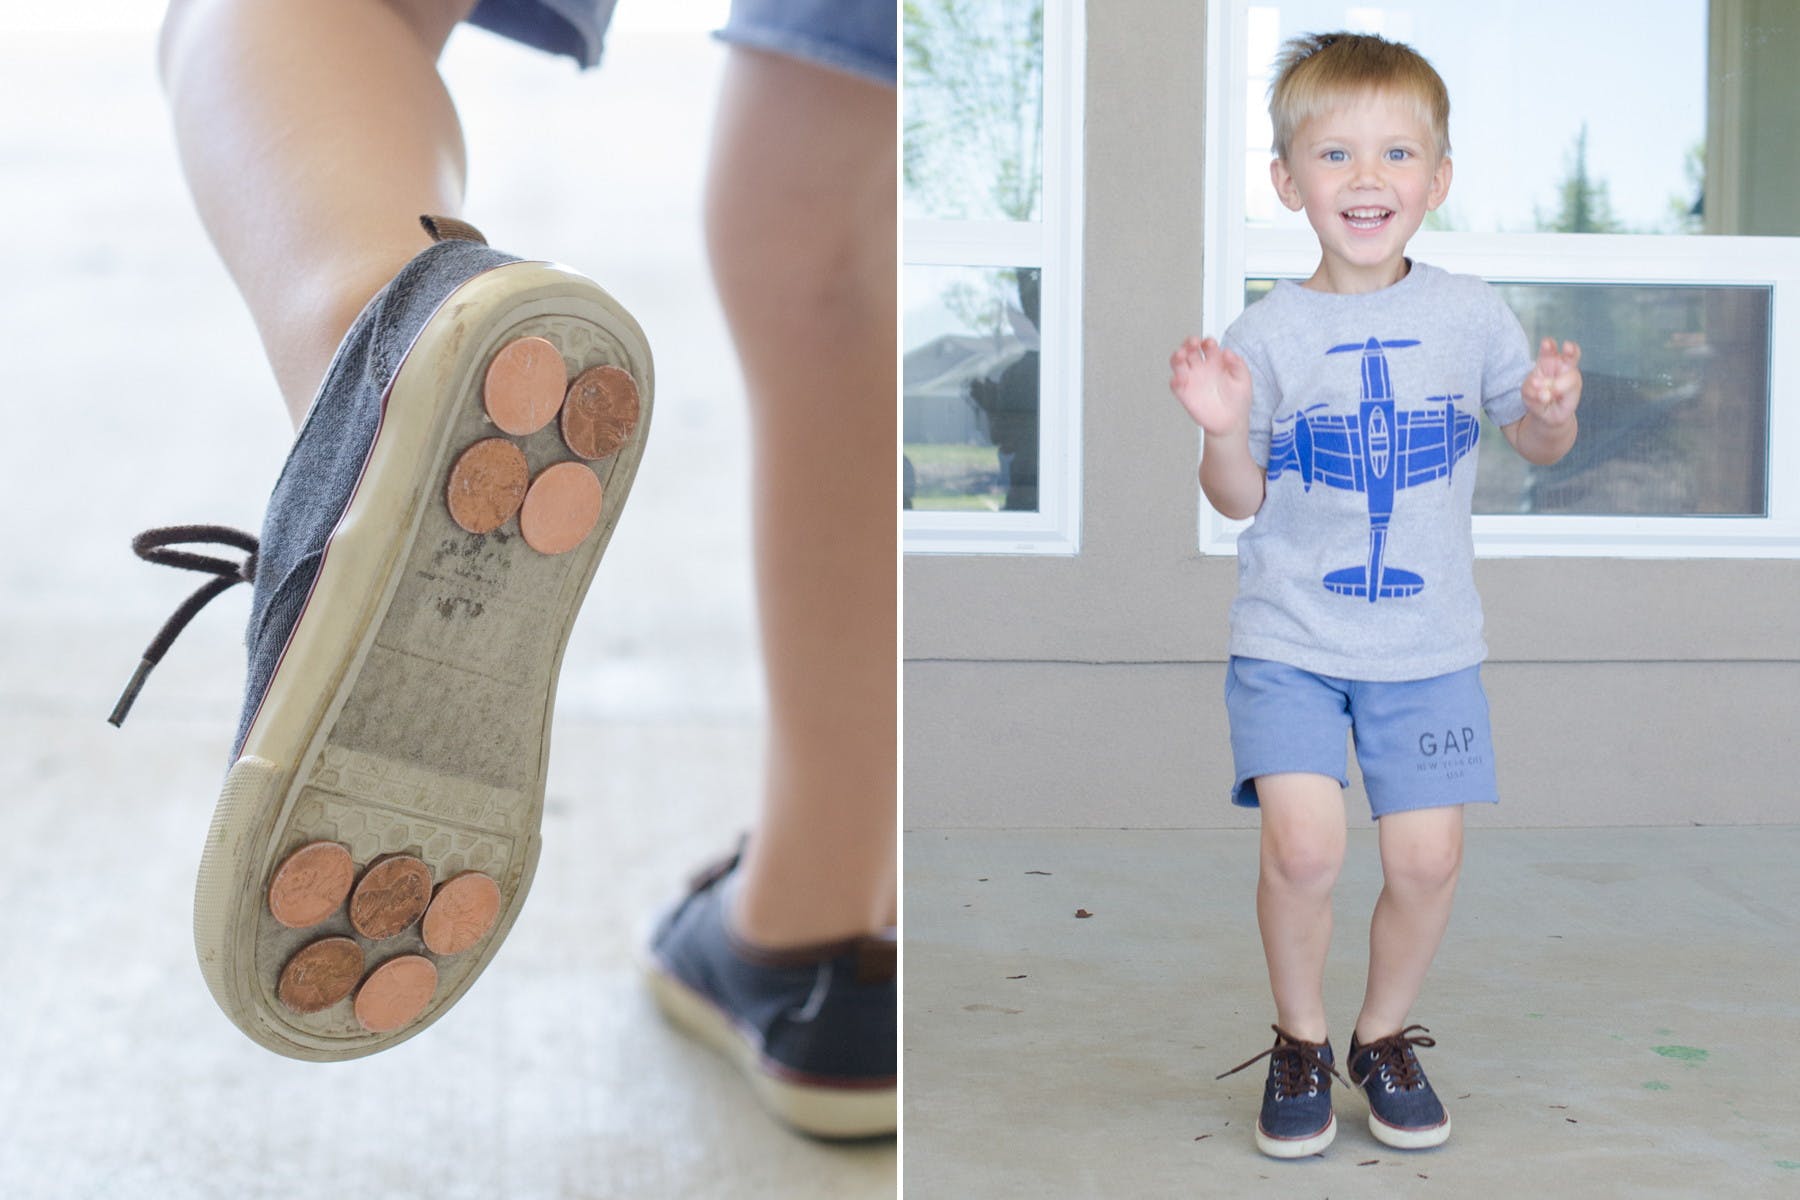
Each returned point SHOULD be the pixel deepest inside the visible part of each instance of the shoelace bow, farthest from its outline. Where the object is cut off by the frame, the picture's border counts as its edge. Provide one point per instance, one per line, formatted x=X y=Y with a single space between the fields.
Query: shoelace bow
x=1294 y=1063
x=153 y=545
x=1403 y=1068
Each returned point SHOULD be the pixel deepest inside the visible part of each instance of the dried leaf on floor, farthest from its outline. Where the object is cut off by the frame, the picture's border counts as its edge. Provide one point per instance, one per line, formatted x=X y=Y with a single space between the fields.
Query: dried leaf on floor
x=1370 y=1163
x=1015 y=976
x=1082 y=912
x=1037 y=872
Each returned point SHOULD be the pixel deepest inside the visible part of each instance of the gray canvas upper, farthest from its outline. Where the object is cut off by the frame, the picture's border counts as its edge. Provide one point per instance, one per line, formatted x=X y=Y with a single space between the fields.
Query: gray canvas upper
x=1365 y=415
x=316 y=483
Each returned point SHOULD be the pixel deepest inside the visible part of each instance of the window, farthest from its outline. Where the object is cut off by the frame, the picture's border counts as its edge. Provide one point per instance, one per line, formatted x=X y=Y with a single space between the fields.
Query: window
x=1641 y=206
x=991 y=277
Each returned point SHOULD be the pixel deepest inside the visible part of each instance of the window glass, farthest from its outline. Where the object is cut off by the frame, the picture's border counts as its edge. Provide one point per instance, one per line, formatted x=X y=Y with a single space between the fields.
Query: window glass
x=1613 y=138
x=1674 y=403
x=974 y=97
x=971 y=403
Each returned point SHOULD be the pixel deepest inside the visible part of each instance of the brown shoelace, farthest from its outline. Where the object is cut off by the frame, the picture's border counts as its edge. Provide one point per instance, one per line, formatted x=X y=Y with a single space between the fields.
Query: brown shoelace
x=1293 y=1064
x=153 y=545
x=1392 y=1052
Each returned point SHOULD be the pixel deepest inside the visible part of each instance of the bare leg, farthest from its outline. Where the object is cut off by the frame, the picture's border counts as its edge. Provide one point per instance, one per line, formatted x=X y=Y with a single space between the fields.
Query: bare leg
x=313 y=133
x=1421 y=857
x=1303 y=843
x=801 y=228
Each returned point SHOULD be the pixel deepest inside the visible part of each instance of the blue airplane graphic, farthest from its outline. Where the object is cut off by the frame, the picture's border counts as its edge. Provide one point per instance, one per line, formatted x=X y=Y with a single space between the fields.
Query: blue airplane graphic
x=1377 y=452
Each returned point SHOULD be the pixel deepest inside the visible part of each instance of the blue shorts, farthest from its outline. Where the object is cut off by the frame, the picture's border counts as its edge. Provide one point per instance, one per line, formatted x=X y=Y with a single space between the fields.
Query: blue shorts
x=1424 y=743
x=846 y=35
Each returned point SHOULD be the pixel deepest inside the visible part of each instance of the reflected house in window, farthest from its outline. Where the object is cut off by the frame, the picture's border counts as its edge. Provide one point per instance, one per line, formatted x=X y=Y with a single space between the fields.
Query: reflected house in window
x=969 y=391
x=972 y=415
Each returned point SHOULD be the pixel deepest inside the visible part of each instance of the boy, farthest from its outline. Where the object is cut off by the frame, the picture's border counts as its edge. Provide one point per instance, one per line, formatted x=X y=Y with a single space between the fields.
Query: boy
x=1342 y=414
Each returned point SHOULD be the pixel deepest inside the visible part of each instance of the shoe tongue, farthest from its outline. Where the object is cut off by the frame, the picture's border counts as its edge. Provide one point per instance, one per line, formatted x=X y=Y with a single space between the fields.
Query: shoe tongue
x=449 y=229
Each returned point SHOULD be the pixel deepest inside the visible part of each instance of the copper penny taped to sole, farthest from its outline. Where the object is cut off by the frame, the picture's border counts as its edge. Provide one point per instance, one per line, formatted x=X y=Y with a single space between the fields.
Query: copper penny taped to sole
x=525 y=385
x=600 y=412
x=561 y=508
x=487 y=485
x=395 y=992
x=392 y=895
x=320 y=974
x=310 y=884
x=462 y=913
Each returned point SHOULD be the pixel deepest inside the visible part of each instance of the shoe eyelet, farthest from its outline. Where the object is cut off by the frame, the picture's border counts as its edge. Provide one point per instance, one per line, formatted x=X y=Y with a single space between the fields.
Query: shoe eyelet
x=1390 y=1089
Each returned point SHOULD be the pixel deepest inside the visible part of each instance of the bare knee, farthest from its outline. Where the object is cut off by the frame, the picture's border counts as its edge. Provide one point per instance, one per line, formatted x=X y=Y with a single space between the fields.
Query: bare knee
x=1302 y=861
x=1424 y=865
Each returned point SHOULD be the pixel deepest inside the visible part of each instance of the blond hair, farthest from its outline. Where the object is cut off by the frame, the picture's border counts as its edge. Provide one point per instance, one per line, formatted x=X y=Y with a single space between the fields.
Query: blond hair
x=1318 y=72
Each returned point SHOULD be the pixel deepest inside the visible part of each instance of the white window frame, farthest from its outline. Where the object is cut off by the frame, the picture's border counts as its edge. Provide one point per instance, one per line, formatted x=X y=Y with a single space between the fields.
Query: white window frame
x=1052 y=244
x=1234 y=252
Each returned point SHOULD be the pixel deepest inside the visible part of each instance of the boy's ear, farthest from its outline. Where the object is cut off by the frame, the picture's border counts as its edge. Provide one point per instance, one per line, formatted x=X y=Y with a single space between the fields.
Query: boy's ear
x=1440 y=184
x=1285 y=187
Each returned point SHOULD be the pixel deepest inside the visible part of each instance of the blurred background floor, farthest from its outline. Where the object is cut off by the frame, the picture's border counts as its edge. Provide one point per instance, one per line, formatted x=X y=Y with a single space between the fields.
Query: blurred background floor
x=137 y=395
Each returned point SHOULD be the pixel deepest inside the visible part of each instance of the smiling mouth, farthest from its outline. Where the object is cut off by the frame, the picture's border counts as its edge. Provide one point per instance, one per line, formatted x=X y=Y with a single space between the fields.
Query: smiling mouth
x=1367 y=219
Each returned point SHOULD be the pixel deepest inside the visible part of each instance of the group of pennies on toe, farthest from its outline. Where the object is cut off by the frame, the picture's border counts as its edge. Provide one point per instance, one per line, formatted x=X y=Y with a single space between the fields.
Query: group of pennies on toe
x=394 y=894
x=525 y=389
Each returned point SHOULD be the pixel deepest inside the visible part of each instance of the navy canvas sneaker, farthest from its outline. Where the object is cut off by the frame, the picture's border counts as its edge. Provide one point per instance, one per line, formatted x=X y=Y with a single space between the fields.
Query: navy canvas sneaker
x=813 y=1028
x=1404 y=1112
x=1296 y=1118
x=423 y=556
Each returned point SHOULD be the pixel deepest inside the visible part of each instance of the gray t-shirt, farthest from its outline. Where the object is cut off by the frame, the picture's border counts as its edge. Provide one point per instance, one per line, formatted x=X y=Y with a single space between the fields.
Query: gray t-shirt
x=1360 y=563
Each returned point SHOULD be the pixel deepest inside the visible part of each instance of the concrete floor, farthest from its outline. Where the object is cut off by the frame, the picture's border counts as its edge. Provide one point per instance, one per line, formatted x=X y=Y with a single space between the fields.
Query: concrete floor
x=137 y=395
x=1617 y=1014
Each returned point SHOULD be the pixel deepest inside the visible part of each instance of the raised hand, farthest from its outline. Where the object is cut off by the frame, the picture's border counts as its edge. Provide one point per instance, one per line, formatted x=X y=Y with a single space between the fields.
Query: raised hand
x=1213 y=384
x=1553 y=389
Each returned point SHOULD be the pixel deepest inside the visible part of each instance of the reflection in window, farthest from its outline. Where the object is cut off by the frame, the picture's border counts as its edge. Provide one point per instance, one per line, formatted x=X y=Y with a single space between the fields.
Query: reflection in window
x=1678 y=123
x=974 y=143
x=1674 y=402
x=971 y=389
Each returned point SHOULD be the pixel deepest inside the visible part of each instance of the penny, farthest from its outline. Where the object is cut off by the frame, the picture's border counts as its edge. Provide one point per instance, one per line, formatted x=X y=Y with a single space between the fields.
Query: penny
x=561 y=508
x=395 y=993
x=525 y=385
x=320 y=974
x=487 y=485
x=392 y=895
x=600 y=412
x=462 y=913
x=310 y=883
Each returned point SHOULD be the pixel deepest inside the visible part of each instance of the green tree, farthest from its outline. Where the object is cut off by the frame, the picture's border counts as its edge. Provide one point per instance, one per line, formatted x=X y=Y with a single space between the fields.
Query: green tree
x=974 y=107
x=1584 y=204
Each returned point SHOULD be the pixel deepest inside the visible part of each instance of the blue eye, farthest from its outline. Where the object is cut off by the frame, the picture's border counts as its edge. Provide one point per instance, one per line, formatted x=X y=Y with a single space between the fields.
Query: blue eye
x=1336 y=156
x=1398 y=155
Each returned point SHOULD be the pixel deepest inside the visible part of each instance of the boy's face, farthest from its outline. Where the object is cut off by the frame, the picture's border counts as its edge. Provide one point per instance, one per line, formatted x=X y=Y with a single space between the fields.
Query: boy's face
x=1366 y=174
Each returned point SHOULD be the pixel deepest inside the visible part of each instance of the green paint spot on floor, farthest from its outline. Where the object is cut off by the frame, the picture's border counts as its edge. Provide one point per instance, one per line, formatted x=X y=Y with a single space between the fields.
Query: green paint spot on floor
x=1618 y=1037
x=1664 y=1032
x=1683 y=1053
x=1535 y=1016
x=1785 y=1165
x=1656 y=1086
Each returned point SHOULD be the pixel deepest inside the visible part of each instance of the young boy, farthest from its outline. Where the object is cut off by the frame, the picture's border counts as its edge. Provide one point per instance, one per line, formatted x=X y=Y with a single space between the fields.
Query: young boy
x=1342 y=413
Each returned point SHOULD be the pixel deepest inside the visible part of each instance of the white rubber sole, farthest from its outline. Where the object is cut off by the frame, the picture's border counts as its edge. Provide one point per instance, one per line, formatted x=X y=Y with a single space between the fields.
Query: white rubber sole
x=1409 y=1139
x=824 y=1112
x=410 y=711
x=1276 y=1147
